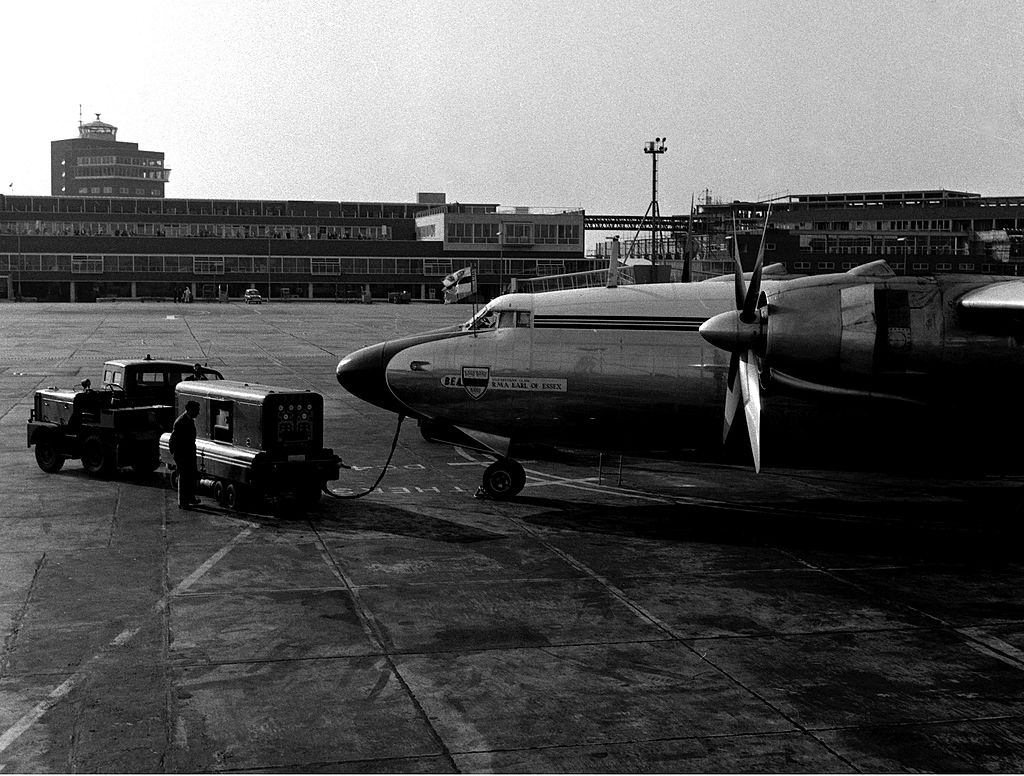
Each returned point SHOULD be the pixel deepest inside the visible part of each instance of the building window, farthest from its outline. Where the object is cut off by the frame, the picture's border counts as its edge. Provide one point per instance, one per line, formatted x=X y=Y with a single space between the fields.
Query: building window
x=968 y=267
x=86 y=265
x=325 y=266
x=550 y=267
x=208 y=265
x=801 y=265
x=517 y=234
x=437 y=267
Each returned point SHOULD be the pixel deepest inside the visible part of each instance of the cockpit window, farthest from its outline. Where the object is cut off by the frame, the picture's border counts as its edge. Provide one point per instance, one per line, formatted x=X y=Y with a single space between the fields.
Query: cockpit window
x=485 y=319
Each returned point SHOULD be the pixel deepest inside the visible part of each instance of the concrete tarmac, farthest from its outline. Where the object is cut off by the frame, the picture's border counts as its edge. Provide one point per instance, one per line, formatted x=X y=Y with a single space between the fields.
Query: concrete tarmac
x=668 y=616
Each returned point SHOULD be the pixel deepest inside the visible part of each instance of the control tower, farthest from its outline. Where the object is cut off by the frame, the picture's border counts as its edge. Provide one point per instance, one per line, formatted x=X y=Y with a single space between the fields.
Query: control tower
x=97 y=164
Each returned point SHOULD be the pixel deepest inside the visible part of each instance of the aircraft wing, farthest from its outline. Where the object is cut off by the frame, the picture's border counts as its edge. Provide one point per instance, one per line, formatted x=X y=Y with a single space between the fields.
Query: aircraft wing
x=1006 y=296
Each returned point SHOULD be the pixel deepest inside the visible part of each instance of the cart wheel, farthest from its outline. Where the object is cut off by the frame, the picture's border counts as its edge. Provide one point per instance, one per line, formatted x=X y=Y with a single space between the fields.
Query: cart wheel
x=233 y=496
x=218 y=492
x=97 y=459
x=47 y=457
x=172 y=478
x=308 y=494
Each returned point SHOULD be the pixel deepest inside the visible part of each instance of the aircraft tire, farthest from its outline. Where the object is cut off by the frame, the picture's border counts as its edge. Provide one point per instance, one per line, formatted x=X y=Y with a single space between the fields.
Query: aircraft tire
x=503 y=479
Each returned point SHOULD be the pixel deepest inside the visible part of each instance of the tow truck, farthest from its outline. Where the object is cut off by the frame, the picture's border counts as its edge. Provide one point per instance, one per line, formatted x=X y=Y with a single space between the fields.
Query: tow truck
x=116 y=425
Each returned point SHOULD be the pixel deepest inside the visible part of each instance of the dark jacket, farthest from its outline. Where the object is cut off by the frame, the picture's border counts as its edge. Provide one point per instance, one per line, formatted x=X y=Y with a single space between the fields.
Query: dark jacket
x=183 y=438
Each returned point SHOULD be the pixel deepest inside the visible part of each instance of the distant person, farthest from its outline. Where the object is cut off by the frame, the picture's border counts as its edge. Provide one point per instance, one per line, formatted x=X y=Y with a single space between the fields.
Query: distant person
x=183 y=448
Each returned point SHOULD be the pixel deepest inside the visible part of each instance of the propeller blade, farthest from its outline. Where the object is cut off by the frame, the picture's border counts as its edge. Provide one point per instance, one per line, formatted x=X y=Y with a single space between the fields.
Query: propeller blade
x=732 y=396
x=754 y=290
x=741 y=289
x=750 y=384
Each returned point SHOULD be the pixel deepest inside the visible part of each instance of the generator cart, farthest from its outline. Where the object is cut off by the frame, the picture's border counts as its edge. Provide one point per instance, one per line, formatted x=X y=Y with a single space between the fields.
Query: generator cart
x=255 y=441
x=116 y=425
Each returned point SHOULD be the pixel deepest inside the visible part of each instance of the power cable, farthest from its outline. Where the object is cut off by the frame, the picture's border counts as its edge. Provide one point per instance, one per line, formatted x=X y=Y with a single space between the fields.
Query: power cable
x=384 y=470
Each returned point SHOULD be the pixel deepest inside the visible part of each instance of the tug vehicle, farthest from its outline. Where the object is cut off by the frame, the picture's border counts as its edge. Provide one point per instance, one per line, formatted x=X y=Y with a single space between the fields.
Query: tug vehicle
x=114 y=426
x=256 y=441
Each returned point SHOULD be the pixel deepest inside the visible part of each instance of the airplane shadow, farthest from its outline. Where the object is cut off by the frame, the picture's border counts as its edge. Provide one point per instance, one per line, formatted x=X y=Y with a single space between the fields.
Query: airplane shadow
x=977 y=526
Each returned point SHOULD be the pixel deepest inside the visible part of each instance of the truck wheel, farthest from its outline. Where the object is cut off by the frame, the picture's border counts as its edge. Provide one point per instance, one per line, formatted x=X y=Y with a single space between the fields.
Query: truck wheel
x=146 y=459
x=97 y=460
x=47 y=457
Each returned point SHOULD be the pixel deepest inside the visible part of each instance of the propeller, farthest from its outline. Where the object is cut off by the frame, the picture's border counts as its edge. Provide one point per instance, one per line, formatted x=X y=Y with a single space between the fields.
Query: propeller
x=741 y=333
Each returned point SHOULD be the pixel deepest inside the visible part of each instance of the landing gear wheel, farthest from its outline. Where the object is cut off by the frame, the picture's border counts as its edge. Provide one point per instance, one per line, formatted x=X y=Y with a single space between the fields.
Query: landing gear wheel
x=97 y=459
x=47 y=457
x=503 y=479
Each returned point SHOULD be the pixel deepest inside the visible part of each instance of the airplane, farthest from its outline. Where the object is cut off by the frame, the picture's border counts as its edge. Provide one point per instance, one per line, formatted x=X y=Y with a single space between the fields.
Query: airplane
x=645 y=367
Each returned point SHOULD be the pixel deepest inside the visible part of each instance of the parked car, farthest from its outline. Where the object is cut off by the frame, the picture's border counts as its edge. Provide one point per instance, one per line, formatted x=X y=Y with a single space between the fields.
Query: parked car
x=252 y=296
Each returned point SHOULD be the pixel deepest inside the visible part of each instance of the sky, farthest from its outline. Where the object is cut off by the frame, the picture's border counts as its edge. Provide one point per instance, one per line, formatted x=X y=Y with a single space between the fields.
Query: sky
x=533 y=103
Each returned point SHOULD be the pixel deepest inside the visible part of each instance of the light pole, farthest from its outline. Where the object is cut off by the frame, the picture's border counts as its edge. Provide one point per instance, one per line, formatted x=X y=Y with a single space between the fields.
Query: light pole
x=17 y=293
x=655 y=148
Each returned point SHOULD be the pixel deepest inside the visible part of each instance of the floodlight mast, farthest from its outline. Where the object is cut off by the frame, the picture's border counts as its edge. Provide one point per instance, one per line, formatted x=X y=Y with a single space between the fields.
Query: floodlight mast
x=655 y=148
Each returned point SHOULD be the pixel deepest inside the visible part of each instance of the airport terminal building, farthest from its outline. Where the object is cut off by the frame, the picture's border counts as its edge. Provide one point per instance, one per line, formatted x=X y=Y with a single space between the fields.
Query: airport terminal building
x=84 y=248
x=918 y=232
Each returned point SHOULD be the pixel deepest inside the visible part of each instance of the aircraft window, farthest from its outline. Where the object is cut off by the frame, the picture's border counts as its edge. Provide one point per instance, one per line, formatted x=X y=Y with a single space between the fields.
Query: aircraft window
x=485 y=319
x=506 y=319
x=523 y=320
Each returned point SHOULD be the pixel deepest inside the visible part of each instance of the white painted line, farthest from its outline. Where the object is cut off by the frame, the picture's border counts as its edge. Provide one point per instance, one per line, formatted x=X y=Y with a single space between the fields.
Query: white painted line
x=993 y=646
x=60 y=691
x=551 y=479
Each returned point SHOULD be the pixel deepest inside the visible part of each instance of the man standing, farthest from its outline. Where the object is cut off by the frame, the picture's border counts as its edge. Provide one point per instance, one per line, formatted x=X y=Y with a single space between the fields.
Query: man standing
x=183 y=448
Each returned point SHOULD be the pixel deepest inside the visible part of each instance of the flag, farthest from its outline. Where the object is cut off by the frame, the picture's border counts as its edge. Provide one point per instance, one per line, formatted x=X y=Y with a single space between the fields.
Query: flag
x=458 y=285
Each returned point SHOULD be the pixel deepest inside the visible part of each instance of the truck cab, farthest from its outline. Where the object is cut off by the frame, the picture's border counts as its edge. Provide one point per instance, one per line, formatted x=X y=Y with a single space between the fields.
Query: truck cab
x=112 y=425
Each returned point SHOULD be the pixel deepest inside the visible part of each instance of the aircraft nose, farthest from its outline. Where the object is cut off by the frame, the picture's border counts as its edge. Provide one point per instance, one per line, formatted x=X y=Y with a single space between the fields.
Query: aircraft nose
x=364 y=374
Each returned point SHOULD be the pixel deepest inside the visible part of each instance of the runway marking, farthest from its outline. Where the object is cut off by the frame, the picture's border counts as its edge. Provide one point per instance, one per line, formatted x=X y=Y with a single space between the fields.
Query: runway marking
x=60 y=691
x=993 y=647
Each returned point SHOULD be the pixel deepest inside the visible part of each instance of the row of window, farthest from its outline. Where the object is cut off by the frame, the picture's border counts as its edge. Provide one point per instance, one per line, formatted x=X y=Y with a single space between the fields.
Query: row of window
x=909 y=225
x=134 y=161
x=121 y=190
x=963 y=266
x=207 y=207
x=313 y=265
x=236 y=231
x=513 y=233
x=121 y=172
